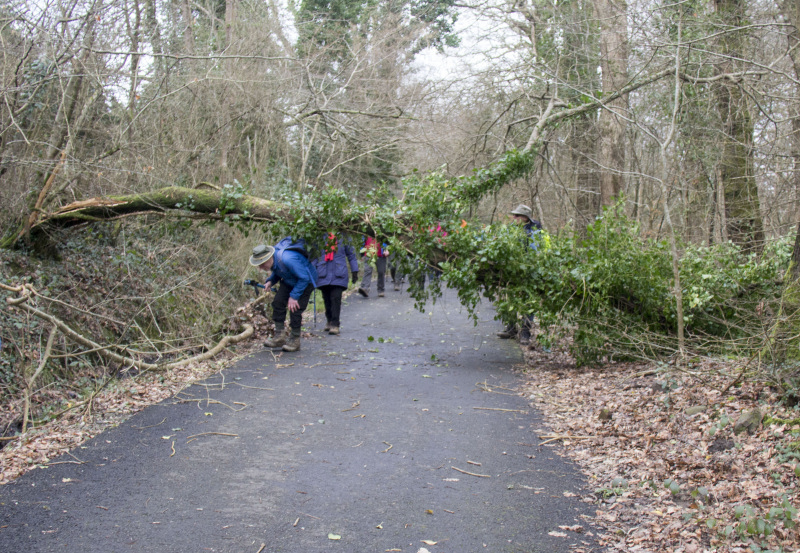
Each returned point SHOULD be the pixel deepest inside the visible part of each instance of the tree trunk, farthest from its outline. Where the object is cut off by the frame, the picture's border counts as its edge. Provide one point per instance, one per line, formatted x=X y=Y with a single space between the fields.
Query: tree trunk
x=188 y=27
x=784 y=343
x=183 y=202
x=587 y=185
x=231 y=7
x=742 y=206
x=791 y=12
x=612 y=15
x=784 y=339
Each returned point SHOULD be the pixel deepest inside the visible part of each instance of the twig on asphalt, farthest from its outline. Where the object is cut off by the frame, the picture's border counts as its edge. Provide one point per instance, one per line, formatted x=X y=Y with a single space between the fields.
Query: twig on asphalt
x=470 y=473
x=491 y=389
x=254 y=387
x=212 y=434
x=151 y=426
x=498 y=409
x=552 y=438
x=75 y=462
x=355 y=405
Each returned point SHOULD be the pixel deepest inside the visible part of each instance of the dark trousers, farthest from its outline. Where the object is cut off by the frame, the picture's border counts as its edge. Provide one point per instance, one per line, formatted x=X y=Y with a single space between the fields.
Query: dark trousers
x=332 y=296
x=380 y=266
x=281 y=301
x=394 y=271
x=527 y=326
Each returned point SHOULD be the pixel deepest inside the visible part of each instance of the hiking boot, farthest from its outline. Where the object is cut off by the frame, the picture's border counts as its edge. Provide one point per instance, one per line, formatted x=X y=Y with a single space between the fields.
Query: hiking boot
x=334 y=330
x=509 y=332
x=396 y=287
x=292 y=343
x=277 y=340
x=327 y=327
x=381 y=294
x=363 y=292
x=524 y=338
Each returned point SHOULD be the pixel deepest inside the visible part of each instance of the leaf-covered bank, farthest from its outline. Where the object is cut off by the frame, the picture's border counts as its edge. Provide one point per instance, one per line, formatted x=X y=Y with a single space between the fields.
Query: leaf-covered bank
x=670 y=467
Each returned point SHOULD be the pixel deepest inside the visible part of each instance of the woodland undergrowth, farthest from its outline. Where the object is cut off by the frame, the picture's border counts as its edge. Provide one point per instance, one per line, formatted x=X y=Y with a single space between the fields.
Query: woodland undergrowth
x=142 y=288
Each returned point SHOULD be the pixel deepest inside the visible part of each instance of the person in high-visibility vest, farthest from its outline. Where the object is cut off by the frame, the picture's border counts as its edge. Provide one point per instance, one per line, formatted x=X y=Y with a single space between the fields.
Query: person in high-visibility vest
x=522 y=215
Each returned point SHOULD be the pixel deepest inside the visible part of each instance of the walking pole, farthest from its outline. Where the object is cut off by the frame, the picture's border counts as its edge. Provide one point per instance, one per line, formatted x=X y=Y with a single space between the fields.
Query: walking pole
x=315 y=308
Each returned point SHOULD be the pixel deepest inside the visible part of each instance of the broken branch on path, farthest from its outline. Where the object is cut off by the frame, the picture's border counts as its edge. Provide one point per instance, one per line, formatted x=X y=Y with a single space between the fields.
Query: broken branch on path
x=214 y=401
x=554 y=437
x=483 y=386
x=254 y=387
x=499 y=409
x=151 y=426
x=213 y=434
x=470 y=473
x=75 y=462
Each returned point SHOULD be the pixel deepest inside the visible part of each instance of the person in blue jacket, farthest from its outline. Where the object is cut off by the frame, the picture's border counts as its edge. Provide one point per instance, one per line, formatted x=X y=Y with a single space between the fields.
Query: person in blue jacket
x=297 y=277
x=332 y=275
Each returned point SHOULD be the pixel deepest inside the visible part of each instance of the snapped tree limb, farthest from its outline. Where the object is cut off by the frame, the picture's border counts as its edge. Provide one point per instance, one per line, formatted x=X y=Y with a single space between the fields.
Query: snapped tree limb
x=22 y=302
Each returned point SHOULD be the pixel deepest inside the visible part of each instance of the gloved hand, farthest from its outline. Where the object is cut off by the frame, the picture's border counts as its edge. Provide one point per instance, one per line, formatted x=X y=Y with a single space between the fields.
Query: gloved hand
x=355 y=277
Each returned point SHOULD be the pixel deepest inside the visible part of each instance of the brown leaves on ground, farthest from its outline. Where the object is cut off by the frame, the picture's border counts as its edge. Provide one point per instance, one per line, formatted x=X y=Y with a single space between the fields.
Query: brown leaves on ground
x=665 y=479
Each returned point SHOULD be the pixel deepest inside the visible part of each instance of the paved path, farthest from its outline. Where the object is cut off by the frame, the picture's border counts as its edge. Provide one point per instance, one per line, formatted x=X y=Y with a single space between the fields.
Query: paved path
x=363 y=436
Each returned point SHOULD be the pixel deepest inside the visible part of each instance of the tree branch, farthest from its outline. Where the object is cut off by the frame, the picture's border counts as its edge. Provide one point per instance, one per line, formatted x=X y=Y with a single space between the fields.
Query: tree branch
x=23 y=304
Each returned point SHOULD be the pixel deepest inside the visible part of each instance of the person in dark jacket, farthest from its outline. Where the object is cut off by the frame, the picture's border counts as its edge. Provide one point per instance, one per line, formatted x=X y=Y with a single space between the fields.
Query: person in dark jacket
x=332 y=277
x=377 y=251
x=523 y=216
x=297 y=278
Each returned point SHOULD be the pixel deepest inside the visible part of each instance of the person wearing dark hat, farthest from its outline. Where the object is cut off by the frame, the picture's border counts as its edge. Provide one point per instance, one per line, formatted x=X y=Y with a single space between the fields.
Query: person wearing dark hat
x=523 y=216
x=297 y=279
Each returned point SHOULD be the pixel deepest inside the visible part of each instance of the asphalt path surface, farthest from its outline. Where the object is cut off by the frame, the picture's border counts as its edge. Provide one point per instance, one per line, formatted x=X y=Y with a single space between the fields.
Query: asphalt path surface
x=402 y=434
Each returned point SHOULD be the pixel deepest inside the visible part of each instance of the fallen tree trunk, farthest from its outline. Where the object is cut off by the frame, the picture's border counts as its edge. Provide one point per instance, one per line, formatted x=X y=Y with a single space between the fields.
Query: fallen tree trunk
x=174 y=200
x=191 y=203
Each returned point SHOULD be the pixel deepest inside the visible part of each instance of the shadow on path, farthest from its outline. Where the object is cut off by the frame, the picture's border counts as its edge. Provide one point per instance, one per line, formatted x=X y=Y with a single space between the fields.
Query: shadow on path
x=403 y=428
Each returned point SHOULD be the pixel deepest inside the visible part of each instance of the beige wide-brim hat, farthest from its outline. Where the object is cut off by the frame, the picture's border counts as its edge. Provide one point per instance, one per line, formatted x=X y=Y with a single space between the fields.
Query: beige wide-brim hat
x=523 y=210
x=261 y=253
